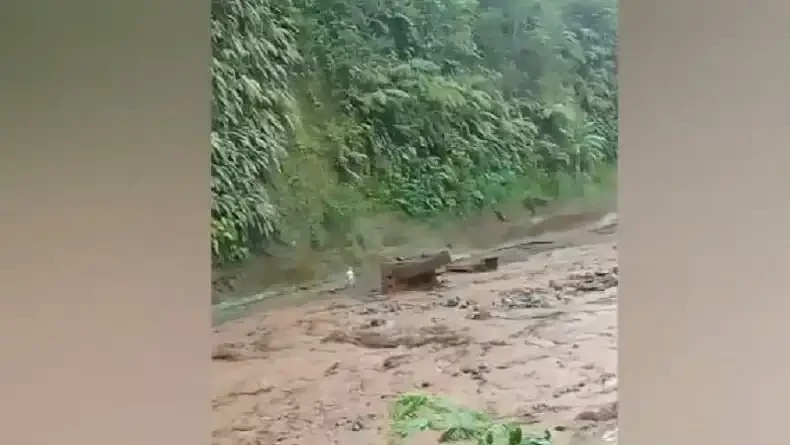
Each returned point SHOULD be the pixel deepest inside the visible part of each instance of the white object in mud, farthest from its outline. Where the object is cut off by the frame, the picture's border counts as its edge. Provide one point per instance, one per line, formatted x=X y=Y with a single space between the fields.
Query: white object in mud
x=350 y=278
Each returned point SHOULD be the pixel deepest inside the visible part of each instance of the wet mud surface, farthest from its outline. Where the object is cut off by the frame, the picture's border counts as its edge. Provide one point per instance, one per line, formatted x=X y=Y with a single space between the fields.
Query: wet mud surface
x=534 y=341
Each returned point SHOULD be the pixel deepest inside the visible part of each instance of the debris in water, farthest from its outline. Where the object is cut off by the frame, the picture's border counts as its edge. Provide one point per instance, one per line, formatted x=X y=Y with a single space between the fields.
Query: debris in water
x=350 y=278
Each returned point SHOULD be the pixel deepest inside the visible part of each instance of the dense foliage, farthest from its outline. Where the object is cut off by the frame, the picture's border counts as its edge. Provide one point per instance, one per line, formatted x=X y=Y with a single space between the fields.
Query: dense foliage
x=324 y=109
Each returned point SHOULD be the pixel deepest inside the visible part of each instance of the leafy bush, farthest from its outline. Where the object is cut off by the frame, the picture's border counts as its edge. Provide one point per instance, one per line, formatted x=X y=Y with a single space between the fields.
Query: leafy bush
x=253 y=46
x=413 y=413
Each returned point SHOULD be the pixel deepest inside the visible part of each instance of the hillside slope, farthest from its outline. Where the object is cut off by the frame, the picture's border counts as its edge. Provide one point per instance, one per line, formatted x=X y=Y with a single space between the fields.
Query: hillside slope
x=327 y=111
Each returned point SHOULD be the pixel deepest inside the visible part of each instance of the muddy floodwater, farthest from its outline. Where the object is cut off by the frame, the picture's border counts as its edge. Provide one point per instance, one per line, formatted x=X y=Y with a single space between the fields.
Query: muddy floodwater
x=534 y=341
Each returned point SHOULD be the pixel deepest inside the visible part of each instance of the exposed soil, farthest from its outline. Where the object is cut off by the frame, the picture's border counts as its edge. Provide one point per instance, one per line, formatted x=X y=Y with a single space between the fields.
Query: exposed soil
x=535 y=341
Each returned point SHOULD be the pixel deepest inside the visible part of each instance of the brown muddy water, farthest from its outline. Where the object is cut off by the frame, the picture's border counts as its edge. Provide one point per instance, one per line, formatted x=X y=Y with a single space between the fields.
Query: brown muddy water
x=534 y=341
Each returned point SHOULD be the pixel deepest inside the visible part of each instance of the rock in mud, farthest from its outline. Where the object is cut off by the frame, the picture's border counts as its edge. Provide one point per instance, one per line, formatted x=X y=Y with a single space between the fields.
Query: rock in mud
x=394 y=337
x=356 y=424
x=524 y=299
x=376 y=322
x=229 y=352
x=394 y=361
x=477 y=313
x=604 y=413
x=451 y=302
x=477 y=372
x=593 y=281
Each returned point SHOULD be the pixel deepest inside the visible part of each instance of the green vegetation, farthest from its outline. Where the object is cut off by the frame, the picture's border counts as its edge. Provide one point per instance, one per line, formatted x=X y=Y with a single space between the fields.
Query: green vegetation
x=329 y=111
x=413 y=413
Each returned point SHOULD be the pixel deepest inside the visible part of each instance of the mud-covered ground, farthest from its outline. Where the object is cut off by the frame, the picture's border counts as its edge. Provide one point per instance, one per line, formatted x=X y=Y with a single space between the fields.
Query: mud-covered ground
x=535 y=341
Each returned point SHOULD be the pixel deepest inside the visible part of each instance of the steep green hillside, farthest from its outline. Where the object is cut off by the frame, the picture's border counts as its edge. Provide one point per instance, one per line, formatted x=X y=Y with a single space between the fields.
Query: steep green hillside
x=328 y=110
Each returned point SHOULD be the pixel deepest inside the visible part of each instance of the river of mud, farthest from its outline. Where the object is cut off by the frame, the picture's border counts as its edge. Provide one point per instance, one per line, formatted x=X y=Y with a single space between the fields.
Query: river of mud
x=534 y=341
